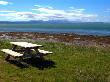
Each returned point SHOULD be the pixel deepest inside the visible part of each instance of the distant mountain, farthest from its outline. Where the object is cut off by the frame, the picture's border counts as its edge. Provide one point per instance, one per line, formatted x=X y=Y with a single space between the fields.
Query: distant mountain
x=38 y=22
x=43 y=22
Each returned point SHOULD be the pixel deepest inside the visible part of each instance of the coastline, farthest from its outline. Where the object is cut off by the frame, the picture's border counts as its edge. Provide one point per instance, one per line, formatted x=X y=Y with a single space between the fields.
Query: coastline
x=68 y=38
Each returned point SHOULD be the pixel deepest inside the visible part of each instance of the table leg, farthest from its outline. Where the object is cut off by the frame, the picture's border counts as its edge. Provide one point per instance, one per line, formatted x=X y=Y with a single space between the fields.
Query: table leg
x=14 y=47
x=38 y=54
x=36 y=49
x=7 y=58
x=27 y=52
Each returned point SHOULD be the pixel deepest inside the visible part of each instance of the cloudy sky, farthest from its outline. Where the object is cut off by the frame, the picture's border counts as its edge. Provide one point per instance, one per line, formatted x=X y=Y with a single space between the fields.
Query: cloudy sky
x=71 y=10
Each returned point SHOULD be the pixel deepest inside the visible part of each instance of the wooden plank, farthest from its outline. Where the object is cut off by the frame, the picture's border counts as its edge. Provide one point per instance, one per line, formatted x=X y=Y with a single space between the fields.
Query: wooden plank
x=25 y=44
x=12 y=53
x=44 y=51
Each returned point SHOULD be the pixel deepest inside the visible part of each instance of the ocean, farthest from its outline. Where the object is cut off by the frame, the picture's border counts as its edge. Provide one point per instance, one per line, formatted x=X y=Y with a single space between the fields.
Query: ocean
x=101 y=29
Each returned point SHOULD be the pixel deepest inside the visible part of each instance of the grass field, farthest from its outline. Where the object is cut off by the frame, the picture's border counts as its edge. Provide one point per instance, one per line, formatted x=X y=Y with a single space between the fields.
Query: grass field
x=68 y=63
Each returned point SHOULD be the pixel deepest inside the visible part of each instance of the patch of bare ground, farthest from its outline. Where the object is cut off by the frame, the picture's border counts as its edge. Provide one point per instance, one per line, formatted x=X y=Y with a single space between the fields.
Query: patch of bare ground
x=61 y=37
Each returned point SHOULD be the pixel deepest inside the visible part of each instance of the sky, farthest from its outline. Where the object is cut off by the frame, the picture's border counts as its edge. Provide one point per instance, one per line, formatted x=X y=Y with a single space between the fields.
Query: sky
x=69 y=10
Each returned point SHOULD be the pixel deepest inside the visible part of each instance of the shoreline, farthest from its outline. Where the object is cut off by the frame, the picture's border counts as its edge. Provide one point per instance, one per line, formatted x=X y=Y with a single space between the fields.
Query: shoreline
x=68 y=38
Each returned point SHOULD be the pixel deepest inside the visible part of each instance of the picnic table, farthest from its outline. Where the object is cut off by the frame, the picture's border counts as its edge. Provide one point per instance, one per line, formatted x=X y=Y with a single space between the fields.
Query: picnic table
x=24 y=49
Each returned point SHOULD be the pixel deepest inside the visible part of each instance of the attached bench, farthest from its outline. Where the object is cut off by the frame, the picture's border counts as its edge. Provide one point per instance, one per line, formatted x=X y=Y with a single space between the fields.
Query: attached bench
x=14 y=54
x=42 y=53
x=11 y=53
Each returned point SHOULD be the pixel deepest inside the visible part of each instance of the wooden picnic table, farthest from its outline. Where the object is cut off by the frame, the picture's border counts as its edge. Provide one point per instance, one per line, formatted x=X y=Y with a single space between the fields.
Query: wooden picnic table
x=25 y=49
x=25 y=44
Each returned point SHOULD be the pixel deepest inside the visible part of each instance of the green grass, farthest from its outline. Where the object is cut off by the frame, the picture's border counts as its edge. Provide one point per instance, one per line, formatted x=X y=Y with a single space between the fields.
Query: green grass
x=72 y=63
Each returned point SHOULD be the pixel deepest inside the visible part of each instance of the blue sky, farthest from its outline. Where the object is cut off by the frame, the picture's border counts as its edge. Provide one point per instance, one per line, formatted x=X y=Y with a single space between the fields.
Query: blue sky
x=71 y=10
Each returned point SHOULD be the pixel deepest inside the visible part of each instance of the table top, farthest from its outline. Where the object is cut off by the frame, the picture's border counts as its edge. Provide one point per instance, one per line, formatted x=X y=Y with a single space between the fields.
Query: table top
x=25 y=44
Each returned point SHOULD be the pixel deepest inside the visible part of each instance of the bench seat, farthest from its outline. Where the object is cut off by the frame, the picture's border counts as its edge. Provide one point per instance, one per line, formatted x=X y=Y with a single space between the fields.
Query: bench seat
x=12 y=53
x=44 y=51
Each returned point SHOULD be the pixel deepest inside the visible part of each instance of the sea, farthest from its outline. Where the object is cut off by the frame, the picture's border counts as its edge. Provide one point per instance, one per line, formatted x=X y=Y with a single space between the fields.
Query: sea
x=99 y=29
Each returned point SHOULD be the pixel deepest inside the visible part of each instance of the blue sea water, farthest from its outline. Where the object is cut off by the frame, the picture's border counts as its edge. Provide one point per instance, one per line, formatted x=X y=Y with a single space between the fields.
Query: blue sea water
x=102 y=29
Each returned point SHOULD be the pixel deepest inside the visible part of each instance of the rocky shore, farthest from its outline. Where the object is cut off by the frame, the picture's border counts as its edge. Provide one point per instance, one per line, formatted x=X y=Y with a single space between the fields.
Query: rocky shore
x=61 y=37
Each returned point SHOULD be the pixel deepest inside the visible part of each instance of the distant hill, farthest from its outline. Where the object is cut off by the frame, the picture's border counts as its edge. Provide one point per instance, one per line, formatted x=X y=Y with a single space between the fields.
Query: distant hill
x=37 y=22
x=43 y=22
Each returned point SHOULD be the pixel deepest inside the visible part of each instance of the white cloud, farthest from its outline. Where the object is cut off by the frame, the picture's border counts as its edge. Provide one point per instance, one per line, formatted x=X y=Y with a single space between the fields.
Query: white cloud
x=19 y=16
x=49 y=13
x=40 y=6
x=78 y=10
x=71 y=14
x=6 y=11
x=4 y=3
